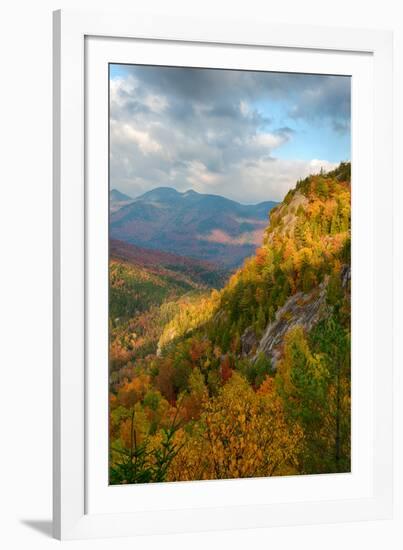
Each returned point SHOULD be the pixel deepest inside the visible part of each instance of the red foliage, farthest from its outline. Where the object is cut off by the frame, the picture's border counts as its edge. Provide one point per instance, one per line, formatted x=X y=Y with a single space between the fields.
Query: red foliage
x=164 y=380
x=225 y=369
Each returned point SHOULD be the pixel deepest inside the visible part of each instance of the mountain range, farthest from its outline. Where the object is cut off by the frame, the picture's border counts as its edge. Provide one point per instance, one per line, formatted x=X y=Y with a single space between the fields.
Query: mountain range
x=203 y=226
x=117 y=199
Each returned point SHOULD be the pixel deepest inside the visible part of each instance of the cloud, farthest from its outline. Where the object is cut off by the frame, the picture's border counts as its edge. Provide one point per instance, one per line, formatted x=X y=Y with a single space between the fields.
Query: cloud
x=331 y=100
x=216 y=131
x=312 y=96
x=264 y=179
x=127 y=133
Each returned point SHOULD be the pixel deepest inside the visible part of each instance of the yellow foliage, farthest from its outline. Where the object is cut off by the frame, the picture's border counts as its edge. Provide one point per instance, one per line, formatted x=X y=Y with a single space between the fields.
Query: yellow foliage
x=240 y=434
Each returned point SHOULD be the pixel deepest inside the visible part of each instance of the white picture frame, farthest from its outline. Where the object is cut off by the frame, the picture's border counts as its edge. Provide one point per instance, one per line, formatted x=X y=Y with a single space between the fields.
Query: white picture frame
x=77 y=211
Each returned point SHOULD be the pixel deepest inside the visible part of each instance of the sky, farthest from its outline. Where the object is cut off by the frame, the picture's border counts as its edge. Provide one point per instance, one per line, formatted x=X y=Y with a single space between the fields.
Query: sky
x=245 y=135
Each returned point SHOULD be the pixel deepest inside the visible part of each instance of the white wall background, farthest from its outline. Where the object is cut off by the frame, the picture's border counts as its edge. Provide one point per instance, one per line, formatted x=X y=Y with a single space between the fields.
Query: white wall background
x=25 y=271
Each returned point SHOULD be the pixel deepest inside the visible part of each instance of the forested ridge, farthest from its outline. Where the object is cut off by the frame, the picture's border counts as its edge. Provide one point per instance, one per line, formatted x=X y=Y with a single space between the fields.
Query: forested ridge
x=252 y=379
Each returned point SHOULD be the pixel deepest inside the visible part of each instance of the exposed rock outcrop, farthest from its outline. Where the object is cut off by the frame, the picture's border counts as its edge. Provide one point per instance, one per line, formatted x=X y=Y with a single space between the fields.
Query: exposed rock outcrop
x=287 y=213
x=249 y=341
x=304 y=309
x=346 y=277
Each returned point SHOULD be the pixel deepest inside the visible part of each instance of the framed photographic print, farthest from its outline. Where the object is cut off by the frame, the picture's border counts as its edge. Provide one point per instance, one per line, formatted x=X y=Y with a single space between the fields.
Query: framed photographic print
x=223 y=293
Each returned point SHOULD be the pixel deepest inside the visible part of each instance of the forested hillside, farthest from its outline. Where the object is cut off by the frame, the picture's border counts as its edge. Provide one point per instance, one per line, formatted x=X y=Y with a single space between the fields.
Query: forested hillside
x=147 y=289
x=251 y=379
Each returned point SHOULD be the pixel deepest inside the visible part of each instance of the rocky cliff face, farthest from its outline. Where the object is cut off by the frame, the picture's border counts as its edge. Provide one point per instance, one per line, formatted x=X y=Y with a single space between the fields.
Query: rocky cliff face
x=287 y=213
x=304 y=309
x=301 y=309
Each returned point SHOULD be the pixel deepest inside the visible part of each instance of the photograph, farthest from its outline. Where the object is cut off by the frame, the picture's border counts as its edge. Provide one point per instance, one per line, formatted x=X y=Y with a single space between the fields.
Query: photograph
x=229 y=274
x=203 y=256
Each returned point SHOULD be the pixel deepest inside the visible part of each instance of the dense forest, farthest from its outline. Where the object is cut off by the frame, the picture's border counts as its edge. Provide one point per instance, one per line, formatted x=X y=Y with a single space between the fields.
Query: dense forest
x=215 y=377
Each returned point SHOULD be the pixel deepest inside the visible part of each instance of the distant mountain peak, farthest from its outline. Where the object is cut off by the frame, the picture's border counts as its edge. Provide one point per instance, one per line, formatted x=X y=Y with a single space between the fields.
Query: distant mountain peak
x=159 y=194
x=116 y=195
x=165 y=193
